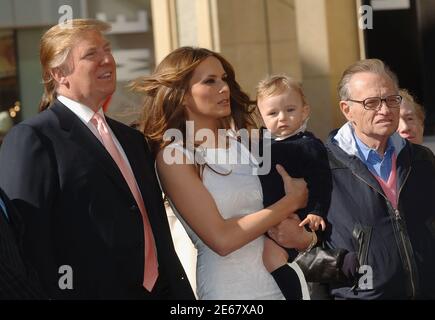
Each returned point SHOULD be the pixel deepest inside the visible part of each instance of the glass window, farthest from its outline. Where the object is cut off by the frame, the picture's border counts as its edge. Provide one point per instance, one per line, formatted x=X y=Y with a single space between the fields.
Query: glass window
x=9 y=89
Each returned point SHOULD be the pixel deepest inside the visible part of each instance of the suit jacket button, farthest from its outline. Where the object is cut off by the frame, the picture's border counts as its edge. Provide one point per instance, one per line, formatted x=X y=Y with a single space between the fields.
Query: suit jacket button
x=133 y=208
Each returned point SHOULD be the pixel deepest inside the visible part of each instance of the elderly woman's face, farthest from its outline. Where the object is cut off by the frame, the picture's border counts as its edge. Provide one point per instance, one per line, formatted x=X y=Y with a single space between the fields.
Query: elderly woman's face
x=410 y=126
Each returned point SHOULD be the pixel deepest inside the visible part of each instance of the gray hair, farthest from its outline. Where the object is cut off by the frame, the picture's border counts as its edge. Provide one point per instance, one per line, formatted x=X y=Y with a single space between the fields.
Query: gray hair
x=368 y=65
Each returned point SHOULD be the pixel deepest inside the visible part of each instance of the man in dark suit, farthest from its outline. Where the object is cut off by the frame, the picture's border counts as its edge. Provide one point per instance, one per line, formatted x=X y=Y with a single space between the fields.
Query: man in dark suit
x=85 y=184
x=17 y=280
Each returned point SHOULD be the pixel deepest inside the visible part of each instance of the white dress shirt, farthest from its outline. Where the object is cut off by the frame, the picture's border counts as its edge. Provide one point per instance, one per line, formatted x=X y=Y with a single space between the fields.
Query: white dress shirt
x=85 y=114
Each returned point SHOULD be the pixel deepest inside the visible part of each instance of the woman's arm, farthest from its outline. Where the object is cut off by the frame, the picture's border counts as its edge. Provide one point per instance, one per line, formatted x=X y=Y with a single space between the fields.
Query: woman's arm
x=196 y=205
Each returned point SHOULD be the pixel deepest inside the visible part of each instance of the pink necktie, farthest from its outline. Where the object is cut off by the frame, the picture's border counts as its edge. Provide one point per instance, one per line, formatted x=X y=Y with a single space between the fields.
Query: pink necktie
x=151 y=265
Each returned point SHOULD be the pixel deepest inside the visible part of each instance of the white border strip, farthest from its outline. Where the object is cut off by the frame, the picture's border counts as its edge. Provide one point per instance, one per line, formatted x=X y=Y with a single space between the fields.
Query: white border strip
x=379 y=5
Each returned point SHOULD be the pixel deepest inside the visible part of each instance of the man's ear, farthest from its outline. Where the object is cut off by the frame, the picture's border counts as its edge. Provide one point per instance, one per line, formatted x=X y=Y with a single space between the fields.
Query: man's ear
x=346 y=110
x=59 y=76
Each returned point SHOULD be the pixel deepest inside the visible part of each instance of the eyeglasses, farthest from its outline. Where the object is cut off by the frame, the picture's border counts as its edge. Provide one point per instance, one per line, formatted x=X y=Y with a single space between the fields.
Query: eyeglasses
x=374 y=103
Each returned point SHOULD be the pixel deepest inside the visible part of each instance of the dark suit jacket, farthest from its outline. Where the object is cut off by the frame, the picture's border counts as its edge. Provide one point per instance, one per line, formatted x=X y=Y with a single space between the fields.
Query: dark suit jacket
x=17 y=280
x=79 y=211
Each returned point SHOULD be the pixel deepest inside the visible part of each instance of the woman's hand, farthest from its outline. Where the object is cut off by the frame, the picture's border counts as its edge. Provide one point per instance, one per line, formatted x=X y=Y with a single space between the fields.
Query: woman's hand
x=273 y=255
x=294 y=188
x=289 y=234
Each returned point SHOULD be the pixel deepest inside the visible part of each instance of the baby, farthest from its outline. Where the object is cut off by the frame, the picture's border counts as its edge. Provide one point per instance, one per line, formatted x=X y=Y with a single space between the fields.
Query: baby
x=285 y=113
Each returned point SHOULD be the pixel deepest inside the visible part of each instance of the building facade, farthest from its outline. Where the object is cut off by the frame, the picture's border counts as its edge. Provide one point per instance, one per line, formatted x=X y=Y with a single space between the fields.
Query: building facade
x=310 y=40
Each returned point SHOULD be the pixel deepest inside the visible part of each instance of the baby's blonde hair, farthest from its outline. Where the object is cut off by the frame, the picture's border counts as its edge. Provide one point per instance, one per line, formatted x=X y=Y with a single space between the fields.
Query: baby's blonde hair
x=277 y=84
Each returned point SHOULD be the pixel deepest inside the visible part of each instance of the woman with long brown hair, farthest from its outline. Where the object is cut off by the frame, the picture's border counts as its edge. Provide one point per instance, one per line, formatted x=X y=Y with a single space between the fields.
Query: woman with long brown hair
x=192 y=109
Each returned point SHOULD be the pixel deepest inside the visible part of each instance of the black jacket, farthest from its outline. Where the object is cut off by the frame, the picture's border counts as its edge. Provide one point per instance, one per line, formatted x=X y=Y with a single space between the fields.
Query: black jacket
x=17 y=279
x=399 y=245
x=79 y=212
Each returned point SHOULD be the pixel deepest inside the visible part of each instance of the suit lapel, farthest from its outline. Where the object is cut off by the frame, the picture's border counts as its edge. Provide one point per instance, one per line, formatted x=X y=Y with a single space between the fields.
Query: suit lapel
x=79 y=132
x=141 y=170
x=136 y=162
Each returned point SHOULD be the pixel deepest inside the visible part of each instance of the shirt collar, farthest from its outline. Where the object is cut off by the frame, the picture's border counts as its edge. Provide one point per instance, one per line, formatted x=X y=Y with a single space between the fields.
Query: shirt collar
x=80 y=110
x=370 y=155
x=345 y=139
x=302 y=128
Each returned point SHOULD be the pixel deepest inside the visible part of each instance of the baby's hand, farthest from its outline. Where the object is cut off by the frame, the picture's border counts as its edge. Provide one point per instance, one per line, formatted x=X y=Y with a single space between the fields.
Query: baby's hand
x=314 y=221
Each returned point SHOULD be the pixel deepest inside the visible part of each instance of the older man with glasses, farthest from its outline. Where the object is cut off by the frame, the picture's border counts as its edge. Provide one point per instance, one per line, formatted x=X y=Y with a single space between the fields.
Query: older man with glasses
x=383 y=197
x=383 y=200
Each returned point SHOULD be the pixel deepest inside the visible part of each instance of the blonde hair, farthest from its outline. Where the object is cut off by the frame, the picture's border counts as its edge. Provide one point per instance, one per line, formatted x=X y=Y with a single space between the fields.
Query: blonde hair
x=164 y=91
x=277 y=84
x=55 y=47
x=368 y=65
x=419 y=110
